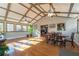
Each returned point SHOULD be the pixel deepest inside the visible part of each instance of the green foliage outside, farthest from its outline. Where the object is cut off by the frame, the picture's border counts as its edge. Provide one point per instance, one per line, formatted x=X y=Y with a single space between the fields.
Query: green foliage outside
x=30 y=29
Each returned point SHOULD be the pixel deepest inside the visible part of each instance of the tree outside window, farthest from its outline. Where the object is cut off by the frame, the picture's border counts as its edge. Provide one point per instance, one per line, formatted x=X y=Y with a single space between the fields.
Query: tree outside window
x=30 y=29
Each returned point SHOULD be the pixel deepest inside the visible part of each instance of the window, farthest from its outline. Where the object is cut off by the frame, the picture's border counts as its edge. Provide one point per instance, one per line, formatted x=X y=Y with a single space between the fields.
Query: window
x=18 y=27
x=1 y=27
x=24 y=28
x=9 y=27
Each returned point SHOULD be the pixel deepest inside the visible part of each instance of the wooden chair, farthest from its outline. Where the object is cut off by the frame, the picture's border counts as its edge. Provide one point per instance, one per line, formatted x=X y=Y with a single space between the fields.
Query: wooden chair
x=53 y=38
x=59 y=39
x=71 y=40
x=47 y=36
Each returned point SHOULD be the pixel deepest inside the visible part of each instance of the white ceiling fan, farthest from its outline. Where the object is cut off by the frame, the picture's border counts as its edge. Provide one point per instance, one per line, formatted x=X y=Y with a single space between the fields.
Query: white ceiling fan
x=50 y=12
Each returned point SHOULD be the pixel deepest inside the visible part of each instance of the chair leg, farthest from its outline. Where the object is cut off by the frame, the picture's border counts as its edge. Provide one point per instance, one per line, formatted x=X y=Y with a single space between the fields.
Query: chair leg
x=64 y=43
x=61 y=43
x=72 y=44
x=54 y=42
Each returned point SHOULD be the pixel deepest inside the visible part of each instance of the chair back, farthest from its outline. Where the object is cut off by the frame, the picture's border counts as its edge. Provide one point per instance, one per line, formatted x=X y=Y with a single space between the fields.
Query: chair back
x=72 y=36
x=53 y=35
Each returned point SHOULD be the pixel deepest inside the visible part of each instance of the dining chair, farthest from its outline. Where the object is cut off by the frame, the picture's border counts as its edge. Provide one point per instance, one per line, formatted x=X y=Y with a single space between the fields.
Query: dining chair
x=52 y=39
x=47 y=36
x=70 y=40
x=59 y=40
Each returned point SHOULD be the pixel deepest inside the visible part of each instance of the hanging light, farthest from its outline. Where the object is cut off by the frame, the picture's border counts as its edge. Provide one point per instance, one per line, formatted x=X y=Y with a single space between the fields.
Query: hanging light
x=25 y=19
x=50 y=12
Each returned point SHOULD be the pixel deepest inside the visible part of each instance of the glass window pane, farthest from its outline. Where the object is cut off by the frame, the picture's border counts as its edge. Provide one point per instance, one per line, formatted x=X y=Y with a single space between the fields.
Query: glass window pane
x=18 y=27
x=9 y=27
x=1 y=27
x=24 y=28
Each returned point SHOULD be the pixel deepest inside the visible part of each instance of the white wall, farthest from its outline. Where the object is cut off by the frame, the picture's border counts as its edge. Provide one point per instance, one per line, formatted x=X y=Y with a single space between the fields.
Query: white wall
x=70 y=24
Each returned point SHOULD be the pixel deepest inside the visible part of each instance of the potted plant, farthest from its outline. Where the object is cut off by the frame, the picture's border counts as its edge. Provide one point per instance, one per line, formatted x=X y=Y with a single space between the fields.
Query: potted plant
x=3 y=49
x=3 y=46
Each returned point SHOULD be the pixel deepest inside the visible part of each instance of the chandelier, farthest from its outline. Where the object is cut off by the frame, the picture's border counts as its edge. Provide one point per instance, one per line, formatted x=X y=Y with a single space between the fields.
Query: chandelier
x=50 y=13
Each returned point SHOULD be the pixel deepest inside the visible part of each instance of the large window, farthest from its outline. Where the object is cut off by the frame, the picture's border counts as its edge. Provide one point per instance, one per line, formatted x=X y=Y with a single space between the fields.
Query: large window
x=24 y=28
x=1 y=27
x=9 y=27
x=18 y=27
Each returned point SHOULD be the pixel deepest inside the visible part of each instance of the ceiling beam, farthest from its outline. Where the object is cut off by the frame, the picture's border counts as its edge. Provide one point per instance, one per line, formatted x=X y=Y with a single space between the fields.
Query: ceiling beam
x=64 y=12
x=9 y=17
x=7 y=11
x=25 y=14
x=40 y=3
x=12 y=11
x=37 y=8
x=70 y=9
x=62 y=16
x=41 y=8
x=35 y=17
x=14 y=18
x=28 y=8
x=53 y=8
x=9 y=20
x=40 y=19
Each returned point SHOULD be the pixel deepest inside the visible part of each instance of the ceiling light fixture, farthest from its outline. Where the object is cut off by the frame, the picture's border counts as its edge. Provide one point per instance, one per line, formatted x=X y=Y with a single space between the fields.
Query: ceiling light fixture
x=50 y=12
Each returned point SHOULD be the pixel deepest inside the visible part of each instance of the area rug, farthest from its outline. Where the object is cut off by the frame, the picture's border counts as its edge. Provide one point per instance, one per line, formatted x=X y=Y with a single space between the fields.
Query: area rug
x=64 y=52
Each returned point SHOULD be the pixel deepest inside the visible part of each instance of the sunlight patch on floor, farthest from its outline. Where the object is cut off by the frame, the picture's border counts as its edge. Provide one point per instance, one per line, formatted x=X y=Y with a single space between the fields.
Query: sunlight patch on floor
x=34 y=42
x=25 y=44
x=18 y=46
x=35 y=39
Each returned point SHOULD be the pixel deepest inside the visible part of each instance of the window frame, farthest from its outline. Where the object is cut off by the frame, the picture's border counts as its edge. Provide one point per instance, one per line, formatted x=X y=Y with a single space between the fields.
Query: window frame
x=22 y=28
x=16 y=28
x=6 y=27
x=3 y=26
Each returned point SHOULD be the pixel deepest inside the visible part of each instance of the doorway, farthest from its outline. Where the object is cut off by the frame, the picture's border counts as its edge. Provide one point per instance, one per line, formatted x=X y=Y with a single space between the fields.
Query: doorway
x=44 y=29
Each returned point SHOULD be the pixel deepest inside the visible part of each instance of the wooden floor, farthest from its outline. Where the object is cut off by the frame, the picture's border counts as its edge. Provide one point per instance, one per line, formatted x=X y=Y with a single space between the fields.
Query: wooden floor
x=41 y=48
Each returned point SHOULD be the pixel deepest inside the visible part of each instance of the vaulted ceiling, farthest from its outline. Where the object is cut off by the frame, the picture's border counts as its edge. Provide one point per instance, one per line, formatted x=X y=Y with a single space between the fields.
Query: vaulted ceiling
x=31 y=13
